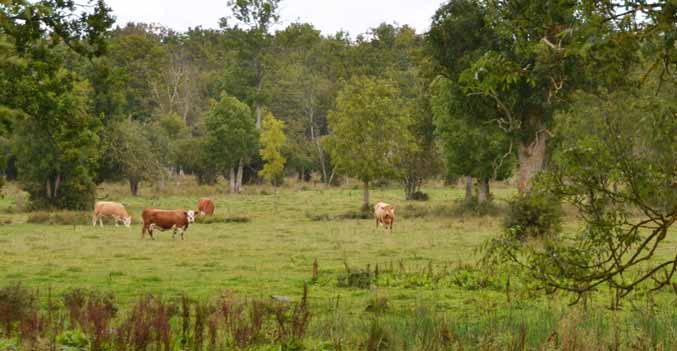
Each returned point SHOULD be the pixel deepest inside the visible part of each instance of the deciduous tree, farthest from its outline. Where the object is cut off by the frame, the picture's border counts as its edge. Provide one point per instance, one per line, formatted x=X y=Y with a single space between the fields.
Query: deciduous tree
x=369 y=130
x=272 y=142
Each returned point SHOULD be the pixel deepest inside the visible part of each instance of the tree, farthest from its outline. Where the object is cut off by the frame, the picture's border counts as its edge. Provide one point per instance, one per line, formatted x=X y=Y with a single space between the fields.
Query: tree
x=54 y=135
x=369 y=128
x=246 y=79
x=230 y=130
x=130 y=154
x=301 y=77
x=471 y=148
x=532 y=56
x=620 y=177
x=272 y=141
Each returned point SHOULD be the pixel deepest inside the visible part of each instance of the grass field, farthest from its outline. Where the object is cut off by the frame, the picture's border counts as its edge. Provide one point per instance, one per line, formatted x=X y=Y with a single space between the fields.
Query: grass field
x=287 y=230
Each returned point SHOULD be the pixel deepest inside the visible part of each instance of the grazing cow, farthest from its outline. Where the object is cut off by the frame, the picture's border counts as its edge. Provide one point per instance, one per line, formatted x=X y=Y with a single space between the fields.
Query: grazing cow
x=384 y=214
x=110 y=209
x=205 y=207
x=166 y=219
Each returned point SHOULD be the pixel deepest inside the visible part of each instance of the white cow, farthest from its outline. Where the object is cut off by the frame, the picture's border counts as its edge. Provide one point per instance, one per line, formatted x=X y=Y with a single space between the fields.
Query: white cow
x=111 y=209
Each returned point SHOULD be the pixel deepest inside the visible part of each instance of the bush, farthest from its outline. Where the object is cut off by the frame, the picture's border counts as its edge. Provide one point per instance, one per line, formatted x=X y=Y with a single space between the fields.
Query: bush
x=533 y=216
x=472 y=207
x=365 y=212
x=361 y=279
x=60 y=218
x=217 y=219
x=73 y=340
x=420 y=196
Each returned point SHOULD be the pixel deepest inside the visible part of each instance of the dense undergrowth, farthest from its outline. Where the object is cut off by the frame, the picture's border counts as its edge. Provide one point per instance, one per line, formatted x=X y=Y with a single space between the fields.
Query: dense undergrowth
x=90 y=320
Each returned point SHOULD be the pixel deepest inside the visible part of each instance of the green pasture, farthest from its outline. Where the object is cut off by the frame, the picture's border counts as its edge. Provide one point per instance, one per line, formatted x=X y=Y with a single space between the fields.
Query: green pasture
x=273 y=254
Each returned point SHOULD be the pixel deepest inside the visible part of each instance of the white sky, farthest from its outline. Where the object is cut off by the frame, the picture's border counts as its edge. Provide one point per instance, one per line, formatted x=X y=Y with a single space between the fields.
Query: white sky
x=330 y=16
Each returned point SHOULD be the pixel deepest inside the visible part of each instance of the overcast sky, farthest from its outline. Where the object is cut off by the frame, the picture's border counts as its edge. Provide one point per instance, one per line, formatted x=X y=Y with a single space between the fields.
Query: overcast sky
x=330 y=16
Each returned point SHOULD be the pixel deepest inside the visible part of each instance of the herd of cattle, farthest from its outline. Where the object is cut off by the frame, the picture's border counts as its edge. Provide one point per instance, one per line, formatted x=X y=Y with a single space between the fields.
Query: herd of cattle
x=178 y=220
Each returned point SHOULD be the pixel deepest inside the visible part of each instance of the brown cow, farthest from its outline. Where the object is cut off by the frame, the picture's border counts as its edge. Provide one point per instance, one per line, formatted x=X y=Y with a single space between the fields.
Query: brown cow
x=166 y=219
x=384 y=214
x=110 y=209
x=205 y=207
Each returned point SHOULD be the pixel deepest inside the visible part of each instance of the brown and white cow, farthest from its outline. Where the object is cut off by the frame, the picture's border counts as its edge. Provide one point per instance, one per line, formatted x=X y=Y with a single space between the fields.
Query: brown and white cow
x=384 y=214
x=165 y=220
x=110 y=209
x=205 y=207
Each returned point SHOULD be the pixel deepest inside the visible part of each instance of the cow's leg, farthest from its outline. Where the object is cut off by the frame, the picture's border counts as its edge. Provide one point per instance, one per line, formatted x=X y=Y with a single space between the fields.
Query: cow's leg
x=101 y=221
x=150 y=230
x=94 y=219
x=116 y=218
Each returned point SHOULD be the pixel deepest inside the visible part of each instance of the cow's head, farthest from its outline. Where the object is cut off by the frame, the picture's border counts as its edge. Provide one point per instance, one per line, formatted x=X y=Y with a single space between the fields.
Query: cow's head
x=127 y=221
x=191 y=216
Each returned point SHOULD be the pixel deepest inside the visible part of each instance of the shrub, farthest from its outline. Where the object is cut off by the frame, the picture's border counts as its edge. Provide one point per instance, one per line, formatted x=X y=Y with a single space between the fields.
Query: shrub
x=59 y=218
x=358 y=279
x=474 y=208
x=16 y=303
x=420 y=196
x=217 y=219
x=365 y=212
x=73 y=340
x=533 y=215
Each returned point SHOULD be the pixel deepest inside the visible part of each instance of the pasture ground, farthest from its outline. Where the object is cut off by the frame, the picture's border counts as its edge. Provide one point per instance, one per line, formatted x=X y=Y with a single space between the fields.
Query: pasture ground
x=290 y=227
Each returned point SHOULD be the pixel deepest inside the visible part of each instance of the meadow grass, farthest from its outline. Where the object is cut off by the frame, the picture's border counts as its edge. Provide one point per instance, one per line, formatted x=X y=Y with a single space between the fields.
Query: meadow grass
x=273 y=250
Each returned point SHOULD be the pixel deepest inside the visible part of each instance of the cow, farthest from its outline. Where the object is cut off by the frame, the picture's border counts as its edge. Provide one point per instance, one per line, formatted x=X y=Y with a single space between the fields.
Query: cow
x=205 y=207
x=384 y=214
x=165 y=220
x=110 y=209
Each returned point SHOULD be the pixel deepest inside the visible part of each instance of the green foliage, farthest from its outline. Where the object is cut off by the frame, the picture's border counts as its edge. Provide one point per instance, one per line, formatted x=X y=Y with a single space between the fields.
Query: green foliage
x=272 y=141
x=129 y=152
x=471 y=147
x=619 y=176
x=56 y=143
x=54 y=136
x=370 y=128
x=73 y=340
x=230 y=133
x=533 y=216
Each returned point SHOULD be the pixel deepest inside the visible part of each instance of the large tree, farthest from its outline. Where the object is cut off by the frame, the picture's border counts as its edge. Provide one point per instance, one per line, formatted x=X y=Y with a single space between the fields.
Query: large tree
x=231 y=137
x=483 y=152
x=55 y=135
x=369 y=130
x=528 y=57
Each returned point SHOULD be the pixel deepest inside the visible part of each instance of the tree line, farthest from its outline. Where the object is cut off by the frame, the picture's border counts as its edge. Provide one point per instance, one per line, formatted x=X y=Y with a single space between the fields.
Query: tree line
x=476 y=96
x=576 y=99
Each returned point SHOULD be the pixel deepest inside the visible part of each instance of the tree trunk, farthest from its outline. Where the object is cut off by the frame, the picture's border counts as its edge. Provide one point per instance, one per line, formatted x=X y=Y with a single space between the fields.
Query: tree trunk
x=482 y=190
x=316 y=140
x=258 y=116
x=365 y=198
x=134 y=187
x=468 y=189
x=231 y=177
x=238 y=180
x=531 y=161
x=411 y=186
x=57 y=184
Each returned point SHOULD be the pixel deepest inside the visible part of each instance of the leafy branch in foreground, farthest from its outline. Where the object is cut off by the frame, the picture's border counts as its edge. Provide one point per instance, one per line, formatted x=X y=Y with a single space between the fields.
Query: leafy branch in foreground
x=618 y=168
